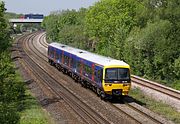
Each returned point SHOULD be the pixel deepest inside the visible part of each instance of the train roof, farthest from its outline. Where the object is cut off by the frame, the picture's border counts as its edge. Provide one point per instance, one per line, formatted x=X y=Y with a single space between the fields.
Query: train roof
x=98 y=59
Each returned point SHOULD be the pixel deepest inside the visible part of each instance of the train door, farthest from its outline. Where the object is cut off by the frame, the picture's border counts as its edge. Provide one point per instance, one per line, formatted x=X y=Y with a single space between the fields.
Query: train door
x=51 y=52
x=98 y=76
x=73 y=62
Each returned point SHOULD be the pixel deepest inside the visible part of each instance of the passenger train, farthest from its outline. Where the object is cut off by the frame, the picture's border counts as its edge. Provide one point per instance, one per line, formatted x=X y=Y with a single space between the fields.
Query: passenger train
x=106 y=76
x=32 y=16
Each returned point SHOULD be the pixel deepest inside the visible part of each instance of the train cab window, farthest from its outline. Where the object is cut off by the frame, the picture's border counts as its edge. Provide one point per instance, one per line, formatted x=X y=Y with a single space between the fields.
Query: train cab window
x=117 y=74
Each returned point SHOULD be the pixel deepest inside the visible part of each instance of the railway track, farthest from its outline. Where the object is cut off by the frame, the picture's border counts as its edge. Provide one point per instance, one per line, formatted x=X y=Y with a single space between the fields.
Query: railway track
x=156 y=86
x=137 y=114
x=87 y=114
x=127 y=108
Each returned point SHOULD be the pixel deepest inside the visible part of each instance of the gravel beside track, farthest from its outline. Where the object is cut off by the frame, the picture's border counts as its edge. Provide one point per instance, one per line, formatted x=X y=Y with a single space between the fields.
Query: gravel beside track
x=157 y=91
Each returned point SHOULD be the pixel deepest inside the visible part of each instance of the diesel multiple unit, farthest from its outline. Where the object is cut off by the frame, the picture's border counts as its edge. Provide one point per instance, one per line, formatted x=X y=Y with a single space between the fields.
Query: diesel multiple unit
x=106 y=76
x=32 y=16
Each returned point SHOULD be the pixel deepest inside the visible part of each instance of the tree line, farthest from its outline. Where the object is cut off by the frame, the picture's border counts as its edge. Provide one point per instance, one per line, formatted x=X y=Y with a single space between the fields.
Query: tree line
x=11 y=89
x=143 y=33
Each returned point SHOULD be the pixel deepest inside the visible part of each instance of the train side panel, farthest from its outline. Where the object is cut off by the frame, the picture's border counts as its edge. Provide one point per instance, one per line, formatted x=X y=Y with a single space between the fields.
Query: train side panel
x=85 y=70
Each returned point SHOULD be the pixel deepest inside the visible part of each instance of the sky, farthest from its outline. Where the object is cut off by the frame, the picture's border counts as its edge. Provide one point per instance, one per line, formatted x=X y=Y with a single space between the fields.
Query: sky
x=44 y=6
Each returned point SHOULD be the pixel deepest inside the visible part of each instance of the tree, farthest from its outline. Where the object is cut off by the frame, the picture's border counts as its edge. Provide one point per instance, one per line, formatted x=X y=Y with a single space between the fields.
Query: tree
x=11 y=91
x=67 y=27
x=4 y=33
x=153 y=49
x=110 y=22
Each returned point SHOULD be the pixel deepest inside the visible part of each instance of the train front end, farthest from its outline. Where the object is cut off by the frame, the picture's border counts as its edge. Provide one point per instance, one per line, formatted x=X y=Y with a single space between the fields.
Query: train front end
x=116 y=80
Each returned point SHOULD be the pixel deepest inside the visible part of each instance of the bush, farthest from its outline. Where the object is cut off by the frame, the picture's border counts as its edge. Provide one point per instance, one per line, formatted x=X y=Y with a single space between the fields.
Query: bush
x=8 y=114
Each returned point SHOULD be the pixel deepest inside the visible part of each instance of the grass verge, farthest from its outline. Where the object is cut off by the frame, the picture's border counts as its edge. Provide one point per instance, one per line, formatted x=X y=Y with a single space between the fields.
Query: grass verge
x=33 y=112
x=158 y=107
x=30 y=110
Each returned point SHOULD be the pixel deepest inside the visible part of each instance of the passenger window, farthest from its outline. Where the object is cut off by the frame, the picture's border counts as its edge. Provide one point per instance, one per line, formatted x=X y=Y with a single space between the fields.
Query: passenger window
x=78 y=66
x=66 y=60
x=52 y=53
x=56 y=56
x=60 y=56
x=98 y=74
x=88 y=70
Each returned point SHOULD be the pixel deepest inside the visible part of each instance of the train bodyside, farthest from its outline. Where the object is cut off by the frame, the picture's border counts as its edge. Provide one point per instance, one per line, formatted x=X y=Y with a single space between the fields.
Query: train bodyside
x=84 y=67
x=33 y=16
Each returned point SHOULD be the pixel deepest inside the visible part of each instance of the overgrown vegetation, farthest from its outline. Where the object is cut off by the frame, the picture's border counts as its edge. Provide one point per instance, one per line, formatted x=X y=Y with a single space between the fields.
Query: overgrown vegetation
x=32 y=112
x=143 y=33
x=11 y=90
x=10 y=15
x=15 y=105
x=158 y=107
x=67 y=27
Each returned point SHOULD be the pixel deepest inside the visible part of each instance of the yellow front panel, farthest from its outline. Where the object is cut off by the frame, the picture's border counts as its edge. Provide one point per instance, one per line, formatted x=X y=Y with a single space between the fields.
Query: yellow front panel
x=108 y=87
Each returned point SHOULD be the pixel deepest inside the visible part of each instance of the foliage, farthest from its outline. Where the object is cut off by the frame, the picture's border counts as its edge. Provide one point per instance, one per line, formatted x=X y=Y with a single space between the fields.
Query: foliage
x=153 y=50
x=110 y=21
x=8 y=114
x=10 y=15
x=4 y=34
x=50 y=24
x=32 y=112
x=67 y=27
x=11 y=90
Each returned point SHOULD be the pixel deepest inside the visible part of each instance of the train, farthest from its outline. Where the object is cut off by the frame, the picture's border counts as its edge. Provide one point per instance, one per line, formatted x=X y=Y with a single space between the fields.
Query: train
x=108 y=77
x=32 y=16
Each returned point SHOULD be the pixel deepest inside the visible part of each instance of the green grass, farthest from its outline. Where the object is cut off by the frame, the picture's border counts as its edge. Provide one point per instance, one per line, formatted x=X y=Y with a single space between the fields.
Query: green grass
x=158 y=107
x=30 y=110
x=33 y=112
